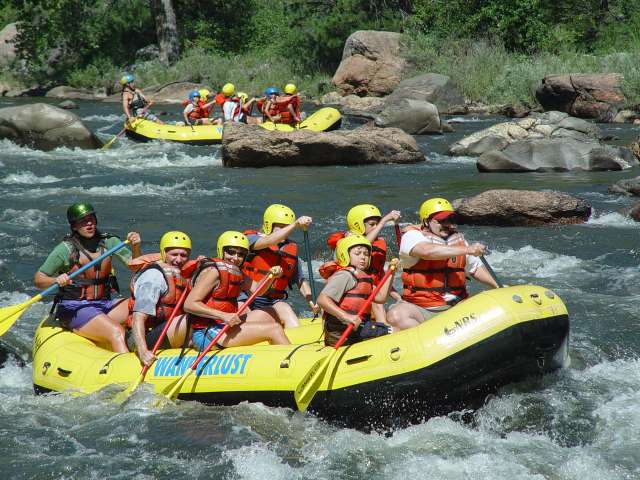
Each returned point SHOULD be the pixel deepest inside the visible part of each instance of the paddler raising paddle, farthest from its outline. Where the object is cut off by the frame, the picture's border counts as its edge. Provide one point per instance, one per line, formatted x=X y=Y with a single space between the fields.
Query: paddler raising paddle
x=84 y=305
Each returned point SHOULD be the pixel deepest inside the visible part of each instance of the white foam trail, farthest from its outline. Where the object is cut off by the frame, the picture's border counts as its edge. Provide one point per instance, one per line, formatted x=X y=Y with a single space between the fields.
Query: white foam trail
x=436 y=158
x=533 y=262
x=30 y=218
x=27 y=178
x=12 y=377
x=612 y=219
x=104 y=118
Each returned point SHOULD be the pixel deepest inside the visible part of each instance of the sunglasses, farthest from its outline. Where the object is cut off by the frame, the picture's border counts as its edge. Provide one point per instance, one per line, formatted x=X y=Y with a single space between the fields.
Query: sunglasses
x=235 y=253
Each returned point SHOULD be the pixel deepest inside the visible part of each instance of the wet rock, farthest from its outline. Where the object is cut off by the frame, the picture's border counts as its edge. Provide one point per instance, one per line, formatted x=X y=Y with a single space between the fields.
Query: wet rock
x=371 y=64
x=68 y=105
x=556 y=154
x=635 y=212
x=353 y=104
x=64 y=91
x=635 y=148
x=536 y=125
x=597 y=96
x=413 y=116
x=434 y=88
x=253 y=146
x=45 y=127
x=628 y=186
x=7 y=46
x=521 y=208
x=626 y=116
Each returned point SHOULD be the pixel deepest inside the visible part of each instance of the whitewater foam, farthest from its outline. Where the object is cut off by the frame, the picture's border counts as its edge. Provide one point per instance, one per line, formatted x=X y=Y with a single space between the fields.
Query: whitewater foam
x=31 y=218
x=27 y=178
x=612 y=219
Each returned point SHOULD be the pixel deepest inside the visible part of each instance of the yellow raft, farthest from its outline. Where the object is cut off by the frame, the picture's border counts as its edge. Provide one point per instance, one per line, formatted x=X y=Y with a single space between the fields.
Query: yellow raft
x=324 y=119
x=450 y=362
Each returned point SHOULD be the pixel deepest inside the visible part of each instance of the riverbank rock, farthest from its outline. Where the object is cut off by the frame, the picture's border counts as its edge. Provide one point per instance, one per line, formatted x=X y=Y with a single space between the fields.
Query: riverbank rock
x=45 y=127
x=253 y=146
x=434 y=88
x=7 y=46
x=65 y=91
x=68 y=105
x=372 y=64
x=635 y=212
x=353 y=104
x=597 y=96
x=628 y=186
x=521 y=208
x=415 y=117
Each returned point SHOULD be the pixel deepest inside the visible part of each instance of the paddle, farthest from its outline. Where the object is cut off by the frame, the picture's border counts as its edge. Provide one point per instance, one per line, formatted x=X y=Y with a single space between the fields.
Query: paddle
x=173 y=393
x=124 y=395
x=312 y=283
x=110 y=142
x=9 y=315
x=491 y=272
x=308 y=386
x=398 y=235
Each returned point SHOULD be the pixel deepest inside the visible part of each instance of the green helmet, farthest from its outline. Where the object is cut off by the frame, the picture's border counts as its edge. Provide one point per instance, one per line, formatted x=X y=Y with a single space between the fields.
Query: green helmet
x=78 y=211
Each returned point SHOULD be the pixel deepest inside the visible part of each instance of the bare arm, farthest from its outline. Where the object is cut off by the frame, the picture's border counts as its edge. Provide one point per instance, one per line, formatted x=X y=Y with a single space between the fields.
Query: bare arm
x=329 y=306
x=274 y=238
x=393 y=215
x=125 y=104
x=139 y=337
x=383 y=294
x=482 y=275
x=431 y=251
x=42 y=280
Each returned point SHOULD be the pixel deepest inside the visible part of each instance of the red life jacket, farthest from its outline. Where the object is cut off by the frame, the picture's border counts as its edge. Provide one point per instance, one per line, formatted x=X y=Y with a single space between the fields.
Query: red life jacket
x=96 y=282
x=258 y=263
x=176 y=283
x=280 y=107
x=225 y=296
x=352 y=300
x=426 y=282
x=199 y=111
x=220 y=99
x=378 y=255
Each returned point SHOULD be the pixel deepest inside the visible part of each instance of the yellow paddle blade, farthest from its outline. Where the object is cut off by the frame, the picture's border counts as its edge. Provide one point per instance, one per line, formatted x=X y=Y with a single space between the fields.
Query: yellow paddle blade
x=173 y=393
x=308 y=386
x=124 y=395
x=9 y=315
x=109 y=143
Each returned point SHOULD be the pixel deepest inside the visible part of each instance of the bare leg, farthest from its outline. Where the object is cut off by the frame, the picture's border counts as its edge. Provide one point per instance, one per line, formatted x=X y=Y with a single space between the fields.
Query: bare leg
x=253 y=120
x=258 y=327
x=177 y=331
x=377 y=309
x=404 y=315
x=286 y=315
x=101 y=328
x=120 y=312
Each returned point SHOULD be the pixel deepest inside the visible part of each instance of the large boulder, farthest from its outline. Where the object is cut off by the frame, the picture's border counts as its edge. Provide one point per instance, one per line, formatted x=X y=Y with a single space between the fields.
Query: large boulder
x=537 y=125
x=371 y=64
x=65 y=91
x=353 y=104
x=431 y=87
x=252 y=146
x=634 y=213
x=413 y=116
x=45 y=127
x=628 y=186
x=7 y=46
x=598 y=96
x=521 y=208
x=556 y=154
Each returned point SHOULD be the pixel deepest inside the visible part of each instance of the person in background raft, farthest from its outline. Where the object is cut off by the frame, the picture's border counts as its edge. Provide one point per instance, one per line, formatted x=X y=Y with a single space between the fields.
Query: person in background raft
x=271 y=248
x=213 y=301
x=196 y=112
x=155 y=291
x=134 y=103
x=348 y=289
x=366 y=219
x=247 y=109
x=435 y=259
x=286 y=108
x=84 y=304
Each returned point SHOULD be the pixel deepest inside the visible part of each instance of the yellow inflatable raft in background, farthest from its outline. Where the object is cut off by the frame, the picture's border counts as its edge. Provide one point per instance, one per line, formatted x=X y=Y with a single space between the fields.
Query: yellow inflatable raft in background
x=139 y=129
x=450 y=362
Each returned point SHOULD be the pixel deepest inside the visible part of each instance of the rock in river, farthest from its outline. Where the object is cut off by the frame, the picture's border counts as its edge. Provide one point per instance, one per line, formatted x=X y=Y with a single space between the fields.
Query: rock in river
x=252 y=146
x=45 y=127
x=521 y=208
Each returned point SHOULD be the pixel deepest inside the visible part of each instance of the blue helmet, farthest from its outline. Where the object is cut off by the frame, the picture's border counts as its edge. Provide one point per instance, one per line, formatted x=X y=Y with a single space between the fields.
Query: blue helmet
x=194 y=94
x=128 y=78
x=271 y=91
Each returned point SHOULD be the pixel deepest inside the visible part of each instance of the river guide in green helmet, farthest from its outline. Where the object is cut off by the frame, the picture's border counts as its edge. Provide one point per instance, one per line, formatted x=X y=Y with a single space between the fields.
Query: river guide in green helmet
x=436 y=260
x=85 y=304
x=134 y=103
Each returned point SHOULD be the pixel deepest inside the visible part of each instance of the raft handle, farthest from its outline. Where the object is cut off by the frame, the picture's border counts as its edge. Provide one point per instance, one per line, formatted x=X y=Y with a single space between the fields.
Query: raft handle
x=45 y=367
x=361 y=359
x=63 y=373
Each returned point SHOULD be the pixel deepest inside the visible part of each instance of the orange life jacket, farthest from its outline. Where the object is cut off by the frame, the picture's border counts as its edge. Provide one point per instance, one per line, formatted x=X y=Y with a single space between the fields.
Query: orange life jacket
x=352 y=300
x=280 y=107
x=199 y=110
x=258 y=263
x=426 y=282
x=96 y=282
x=225 y=296
x=220 y=99
x=176 y=283
x=378 y=255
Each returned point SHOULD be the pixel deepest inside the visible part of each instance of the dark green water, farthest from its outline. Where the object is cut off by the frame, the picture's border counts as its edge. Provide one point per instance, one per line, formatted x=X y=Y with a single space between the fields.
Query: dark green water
x=581 y=423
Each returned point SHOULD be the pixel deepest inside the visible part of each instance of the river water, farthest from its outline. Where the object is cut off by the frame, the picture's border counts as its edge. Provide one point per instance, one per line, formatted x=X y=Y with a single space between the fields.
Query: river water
x=579 y=423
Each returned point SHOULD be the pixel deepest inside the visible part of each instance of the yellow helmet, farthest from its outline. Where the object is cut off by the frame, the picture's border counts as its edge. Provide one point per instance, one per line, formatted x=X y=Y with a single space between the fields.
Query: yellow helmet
x=243 y=96
x=346 y=244
x=174 y=239
x=434 y=205
x=231 y=238
x=277 y=213
x=290 y=89
x=358 y=214
x=228 y=89
x=204 y=94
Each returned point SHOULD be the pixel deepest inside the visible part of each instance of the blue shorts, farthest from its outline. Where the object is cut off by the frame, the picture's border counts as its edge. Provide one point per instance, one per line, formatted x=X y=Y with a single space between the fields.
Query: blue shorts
x=262 y=303
x=74 y=314
x=201 y=337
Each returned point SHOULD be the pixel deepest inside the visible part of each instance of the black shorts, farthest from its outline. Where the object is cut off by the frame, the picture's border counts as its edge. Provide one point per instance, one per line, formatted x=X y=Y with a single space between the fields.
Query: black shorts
x=151 y=337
